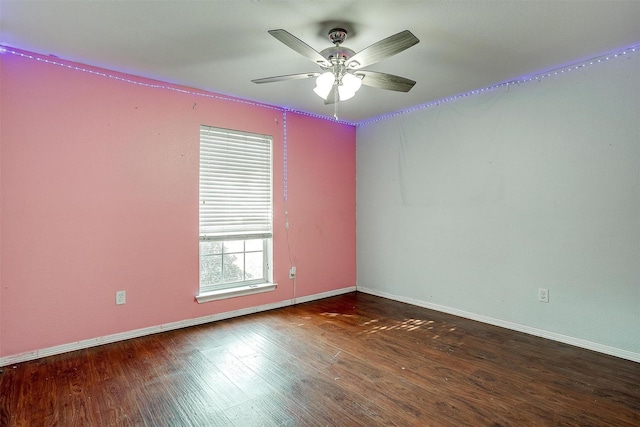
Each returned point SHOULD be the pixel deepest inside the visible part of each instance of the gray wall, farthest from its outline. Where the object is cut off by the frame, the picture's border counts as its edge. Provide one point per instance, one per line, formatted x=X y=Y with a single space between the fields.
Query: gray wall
x=471 y=206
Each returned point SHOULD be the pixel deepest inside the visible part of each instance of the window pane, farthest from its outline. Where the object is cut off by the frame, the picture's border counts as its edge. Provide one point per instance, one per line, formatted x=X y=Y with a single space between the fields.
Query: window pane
x=253 y=245
x=210 y=248
x=210 y=269
x=254 y=265
x=233 y=267
x=232 y=246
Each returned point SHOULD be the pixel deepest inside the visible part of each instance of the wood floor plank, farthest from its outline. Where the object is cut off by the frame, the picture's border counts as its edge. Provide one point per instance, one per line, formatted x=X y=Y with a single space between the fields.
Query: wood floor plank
x=351 y=360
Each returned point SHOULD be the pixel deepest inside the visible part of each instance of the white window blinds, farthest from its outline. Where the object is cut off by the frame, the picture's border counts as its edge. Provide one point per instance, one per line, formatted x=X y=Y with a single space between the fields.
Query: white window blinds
x=235 y=183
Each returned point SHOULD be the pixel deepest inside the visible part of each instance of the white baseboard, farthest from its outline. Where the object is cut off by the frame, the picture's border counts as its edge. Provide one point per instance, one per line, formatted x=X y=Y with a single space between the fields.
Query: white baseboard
x=322 y=295
x=589 y=345
x=92 y=342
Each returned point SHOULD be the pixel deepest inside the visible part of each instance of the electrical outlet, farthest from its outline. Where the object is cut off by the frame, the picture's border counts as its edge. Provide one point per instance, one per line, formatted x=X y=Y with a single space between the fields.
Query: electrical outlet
x=543 y=295
x=121 y=297
x=292 y=273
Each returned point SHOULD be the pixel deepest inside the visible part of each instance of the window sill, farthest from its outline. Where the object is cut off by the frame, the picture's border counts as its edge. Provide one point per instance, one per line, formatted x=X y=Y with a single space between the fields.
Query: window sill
x=235 y=292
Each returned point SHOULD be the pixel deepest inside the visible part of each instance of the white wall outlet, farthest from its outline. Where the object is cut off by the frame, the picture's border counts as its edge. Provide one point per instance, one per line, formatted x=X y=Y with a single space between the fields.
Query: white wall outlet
x=543 y=295
x=292 y=273
x=121 y=297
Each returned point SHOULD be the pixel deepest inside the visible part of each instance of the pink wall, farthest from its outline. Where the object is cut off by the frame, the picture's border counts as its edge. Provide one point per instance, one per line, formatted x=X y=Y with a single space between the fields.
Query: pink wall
x=99 y=193
x=317 y=162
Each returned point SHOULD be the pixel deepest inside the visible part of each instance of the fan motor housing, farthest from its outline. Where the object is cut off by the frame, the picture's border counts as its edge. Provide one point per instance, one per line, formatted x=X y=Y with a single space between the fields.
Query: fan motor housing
x=337 y=52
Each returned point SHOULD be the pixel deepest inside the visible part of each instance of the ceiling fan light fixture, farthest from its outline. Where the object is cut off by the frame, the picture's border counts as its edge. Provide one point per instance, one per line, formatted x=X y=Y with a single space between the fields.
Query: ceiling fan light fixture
x=352 y=82
x=349 y=86
x=324 y=83
x=345 y=93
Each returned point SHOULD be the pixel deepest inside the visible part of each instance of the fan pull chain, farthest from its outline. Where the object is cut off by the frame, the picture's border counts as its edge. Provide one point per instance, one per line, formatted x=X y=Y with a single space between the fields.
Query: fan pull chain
x=337 y=101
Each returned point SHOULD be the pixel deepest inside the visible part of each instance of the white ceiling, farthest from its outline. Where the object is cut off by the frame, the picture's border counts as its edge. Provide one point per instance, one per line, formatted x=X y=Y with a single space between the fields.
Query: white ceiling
x=221 y=46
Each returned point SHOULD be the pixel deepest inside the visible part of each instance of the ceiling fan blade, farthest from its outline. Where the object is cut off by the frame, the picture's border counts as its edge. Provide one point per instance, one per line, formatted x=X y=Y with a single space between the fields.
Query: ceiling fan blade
x=386 y=81
x=287 y=77
x=382 y=49
x=299 y=46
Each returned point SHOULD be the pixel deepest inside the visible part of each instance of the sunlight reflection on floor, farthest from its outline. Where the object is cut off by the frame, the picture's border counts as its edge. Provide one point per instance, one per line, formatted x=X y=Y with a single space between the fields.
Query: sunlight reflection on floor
x=411 y=324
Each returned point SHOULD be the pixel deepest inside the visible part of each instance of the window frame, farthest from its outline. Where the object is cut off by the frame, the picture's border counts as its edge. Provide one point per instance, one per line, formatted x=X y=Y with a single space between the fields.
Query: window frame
x=223 y=233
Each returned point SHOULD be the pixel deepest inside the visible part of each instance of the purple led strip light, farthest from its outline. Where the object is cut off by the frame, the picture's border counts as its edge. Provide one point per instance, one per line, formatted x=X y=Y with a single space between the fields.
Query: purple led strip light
x=525 y=79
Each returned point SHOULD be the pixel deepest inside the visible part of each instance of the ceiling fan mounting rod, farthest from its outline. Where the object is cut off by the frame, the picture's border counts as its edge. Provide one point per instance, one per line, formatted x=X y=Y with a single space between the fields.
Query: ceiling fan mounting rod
x=338 y=68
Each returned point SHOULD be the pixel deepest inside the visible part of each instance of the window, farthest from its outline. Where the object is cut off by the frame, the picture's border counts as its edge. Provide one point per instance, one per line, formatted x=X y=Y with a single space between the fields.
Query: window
x=235 y=213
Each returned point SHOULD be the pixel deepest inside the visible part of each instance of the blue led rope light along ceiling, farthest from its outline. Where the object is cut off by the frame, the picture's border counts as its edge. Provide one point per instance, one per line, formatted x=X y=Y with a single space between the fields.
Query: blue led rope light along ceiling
x=40 y=58
x=622 y=53
x=284 y=154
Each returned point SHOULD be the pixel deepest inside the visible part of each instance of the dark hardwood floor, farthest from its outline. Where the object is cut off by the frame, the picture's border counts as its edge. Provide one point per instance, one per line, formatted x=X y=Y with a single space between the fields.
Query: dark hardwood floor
x=351 y=360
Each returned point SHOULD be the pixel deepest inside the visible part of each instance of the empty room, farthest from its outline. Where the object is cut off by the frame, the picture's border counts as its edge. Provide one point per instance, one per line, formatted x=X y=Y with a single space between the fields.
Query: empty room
x=319 y=213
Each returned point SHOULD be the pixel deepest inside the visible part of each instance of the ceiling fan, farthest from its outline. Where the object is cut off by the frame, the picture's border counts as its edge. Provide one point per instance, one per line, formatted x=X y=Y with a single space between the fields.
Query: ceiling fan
x=342 y=72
